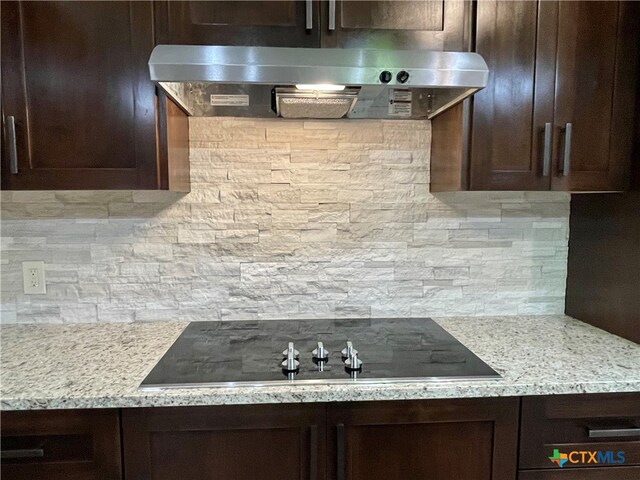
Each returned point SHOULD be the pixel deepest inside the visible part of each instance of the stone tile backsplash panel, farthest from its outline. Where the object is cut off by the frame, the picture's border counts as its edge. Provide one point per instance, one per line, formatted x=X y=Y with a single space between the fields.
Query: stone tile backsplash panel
x=299 y=219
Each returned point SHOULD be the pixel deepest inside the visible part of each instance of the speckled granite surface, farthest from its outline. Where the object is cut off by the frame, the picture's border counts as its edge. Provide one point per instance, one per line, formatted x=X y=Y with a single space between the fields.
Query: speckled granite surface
x=101 y=365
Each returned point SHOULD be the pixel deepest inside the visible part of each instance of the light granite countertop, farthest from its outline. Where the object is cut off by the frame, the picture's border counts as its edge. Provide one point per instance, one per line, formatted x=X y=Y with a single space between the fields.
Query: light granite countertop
x=101 y=365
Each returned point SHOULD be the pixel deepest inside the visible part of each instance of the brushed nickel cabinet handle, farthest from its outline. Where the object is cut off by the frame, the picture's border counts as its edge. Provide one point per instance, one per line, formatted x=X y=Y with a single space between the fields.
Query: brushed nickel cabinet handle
x=546 y=160
x=11 y=145
x=614 y=432
x=313 y=457
x=332 y=14
x=22 y=453
x=309 y=13
x=340 y=451
x=566 y=161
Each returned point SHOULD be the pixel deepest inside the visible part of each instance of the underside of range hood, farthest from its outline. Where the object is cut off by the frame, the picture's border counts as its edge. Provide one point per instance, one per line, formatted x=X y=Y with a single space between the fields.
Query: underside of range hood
x=315 y=83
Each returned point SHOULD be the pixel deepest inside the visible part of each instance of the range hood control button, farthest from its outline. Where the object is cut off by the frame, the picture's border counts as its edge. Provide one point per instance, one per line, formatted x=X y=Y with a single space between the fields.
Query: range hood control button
x=386 y=76
x=402 y=76
x=320 y=353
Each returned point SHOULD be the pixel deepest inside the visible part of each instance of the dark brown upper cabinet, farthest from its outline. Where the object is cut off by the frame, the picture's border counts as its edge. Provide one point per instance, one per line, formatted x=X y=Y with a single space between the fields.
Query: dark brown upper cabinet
x=411 y=24
x=416 y=24
x=509 y=115
x=558 y=110
x=76 y=87
x=284 y=23
x=78 y=107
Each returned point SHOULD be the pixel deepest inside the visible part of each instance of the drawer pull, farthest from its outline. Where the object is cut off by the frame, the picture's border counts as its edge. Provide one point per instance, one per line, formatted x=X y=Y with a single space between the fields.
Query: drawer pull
x=22 y=453
x=614 y=432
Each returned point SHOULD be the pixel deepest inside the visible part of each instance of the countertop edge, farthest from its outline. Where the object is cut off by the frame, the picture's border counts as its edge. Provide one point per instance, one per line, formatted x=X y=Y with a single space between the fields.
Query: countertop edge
x=262 y=395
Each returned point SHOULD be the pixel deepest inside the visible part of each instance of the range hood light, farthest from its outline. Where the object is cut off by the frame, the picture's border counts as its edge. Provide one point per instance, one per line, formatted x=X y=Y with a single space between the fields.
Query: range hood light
x=321 y=87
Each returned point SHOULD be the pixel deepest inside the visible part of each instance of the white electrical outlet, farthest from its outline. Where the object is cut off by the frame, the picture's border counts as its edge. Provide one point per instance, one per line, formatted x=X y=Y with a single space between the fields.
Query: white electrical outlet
x=33 y=278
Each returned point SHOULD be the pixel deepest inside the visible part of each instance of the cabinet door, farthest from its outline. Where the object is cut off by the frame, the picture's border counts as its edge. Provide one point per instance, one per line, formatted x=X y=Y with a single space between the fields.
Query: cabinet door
x=438 y=440
x=61 y=445
x=283 y=23
x=227 y=442
x=596 y=75
x=410 y=24
x=518 y=42
x=76 y=81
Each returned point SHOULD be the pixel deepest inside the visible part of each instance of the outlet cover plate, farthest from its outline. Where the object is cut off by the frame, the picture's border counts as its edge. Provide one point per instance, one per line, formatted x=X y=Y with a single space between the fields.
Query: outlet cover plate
x=33 y=278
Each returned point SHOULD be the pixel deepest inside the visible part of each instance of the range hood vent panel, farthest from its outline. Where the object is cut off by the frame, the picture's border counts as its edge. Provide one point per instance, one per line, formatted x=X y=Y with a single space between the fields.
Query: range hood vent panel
x=240 y=81
x=292 y=103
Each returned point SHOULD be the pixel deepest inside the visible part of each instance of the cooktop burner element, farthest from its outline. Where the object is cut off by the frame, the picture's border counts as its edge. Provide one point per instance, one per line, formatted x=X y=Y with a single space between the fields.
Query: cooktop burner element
x=219 y=354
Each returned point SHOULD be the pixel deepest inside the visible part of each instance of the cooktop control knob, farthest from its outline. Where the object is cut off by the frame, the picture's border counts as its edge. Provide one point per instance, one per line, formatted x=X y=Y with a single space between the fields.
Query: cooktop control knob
x=353 y=363
x=320 y=353
x=290 y=364
x=296 y=353
x=402 y=76
x=386 y=76
x=349 y=351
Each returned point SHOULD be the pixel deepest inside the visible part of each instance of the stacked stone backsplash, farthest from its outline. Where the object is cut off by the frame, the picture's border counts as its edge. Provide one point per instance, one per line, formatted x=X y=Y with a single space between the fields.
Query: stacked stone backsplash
x=288 y=219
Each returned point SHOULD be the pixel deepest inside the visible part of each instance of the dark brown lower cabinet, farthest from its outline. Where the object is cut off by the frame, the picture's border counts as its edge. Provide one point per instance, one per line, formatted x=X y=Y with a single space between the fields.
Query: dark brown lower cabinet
x=225 y=442
x=470 y=439
x=607 y=424
x=439 y=440
x=61 y=445
x=604 y=473
x=449 y=439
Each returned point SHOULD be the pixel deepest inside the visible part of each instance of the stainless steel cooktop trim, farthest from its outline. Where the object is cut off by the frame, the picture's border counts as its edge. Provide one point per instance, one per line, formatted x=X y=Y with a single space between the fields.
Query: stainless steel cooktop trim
x=329 y=381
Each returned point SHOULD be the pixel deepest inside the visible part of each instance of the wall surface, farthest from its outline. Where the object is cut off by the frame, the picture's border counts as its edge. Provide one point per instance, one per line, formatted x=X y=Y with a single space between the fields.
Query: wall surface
x=288 y=219
x=603 y=286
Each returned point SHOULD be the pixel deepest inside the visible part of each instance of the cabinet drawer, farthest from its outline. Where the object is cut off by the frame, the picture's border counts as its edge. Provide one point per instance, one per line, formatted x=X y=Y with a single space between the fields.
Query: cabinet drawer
x=68 y=444
x=577 y=426
x=604 y=473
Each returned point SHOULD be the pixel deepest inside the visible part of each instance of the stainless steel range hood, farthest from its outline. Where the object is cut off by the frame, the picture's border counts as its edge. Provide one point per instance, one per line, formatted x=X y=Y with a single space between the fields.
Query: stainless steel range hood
x=315 y=82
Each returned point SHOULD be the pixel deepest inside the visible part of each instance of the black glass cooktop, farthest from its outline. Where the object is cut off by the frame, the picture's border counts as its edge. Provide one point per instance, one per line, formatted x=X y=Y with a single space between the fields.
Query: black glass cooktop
x=255 y=353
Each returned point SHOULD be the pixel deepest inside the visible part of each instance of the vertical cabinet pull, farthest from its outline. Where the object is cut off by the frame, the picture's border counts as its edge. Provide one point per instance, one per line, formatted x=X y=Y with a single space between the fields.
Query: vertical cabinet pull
x=309 y=13
x=313 y=458
x=566 y=161
x=546 y=160
x=332 y=14
x=11 y=145
x=340 y=451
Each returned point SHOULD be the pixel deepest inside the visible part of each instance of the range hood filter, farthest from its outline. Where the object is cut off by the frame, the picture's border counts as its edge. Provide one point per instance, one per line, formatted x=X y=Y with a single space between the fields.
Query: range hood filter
x=294 y=103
